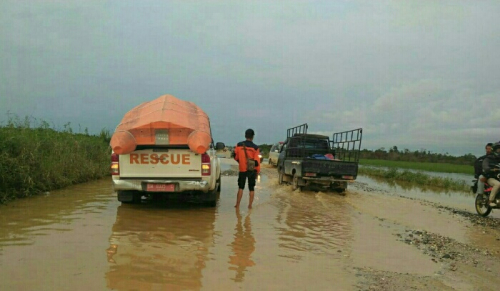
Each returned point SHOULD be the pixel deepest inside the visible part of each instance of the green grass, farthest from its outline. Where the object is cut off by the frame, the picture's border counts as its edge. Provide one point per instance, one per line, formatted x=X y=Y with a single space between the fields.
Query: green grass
x=430 y=167
x=36 y=160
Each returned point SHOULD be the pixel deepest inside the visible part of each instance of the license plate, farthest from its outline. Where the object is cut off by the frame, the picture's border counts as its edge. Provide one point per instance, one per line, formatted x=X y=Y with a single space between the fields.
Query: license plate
x=160 y=187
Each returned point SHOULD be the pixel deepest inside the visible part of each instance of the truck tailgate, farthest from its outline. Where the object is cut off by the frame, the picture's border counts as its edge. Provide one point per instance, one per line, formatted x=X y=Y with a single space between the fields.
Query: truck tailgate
x=330 y=167
x=160 y=163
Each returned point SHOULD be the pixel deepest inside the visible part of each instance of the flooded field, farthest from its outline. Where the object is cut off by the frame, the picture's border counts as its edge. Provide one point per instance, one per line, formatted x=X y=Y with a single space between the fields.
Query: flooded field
x=377 y=237
x=455 y=176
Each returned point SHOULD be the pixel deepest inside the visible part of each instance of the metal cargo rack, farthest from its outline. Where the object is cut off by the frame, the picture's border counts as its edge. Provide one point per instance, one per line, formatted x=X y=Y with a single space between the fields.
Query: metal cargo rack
x=347 y=145
x=299 y=129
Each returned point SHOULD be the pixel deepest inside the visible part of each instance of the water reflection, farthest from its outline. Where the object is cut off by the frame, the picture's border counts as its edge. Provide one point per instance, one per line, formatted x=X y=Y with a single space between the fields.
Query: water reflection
x=242 y=246
x=457 y=199
x=159 y=247
x=408 y=186
x=456 y=176
x=402 y=186
x=22 y=221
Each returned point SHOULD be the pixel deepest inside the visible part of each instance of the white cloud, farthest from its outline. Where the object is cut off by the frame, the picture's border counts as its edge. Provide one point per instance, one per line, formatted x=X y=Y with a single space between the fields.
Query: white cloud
x=432 y=114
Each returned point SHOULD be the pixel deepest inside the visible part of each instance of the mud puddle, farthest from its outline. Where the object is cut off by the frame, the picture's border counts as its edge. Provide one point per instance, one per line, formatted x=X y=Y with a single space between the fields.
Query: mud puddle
x=57 y=241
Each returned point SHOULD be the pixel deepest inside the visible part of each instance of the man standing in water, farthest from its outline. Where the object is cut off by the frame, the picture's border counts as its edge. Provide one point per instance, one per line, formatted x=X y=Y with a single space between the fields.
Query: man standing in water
x=246 y=153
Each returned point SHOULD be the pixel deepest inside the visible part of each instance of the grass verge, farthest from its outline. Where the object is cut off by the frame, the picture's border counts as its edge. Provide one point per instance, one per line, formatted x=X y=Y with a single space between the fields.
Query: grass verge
x=36 y=160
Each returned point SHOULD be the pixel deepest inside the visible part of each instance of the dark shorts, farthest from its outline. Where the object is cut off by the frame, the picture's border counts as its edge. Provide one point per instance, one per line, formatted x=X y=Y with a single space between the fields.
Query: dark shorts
x=242 y=177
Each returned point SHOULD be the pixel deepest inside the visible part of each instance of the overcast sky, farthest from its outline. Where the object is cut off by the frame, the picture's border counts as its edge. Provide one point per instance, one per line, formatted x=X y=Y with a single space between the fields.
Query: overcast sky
x=415 y=74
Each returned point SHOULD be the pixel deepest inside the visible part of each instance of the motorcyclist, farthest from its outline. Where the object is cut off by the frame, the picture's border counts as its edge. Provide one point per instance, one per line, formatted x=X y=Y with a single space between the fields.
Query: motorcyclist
x=491 y=170
x=478 y=169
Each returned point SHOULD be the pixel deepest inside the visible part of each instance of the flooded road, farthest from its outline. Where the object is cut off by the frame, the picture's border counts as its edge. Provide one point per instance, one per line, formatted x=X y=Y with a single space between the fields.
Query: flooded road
x=377 y=237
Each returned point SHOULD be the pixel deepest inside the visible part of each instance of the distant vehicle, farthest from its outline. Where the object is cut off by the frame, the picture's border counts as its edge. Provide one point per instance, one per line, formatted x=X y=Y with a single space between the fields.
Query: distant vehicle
x=312 y=159
x=274 y=153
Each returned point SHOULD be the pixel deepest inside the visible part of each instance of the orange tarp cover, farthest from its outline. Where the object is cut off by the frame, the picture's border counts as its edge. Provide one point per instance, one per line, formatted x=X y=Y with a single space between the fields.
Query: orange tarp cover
x=163 y=121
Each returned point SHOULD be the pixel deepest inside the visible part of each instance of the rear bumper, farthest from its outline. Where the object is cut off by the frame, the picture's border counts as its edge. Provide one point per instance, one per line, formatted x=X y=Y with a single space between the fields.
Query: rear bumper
x=180 y=185
x=324 y=180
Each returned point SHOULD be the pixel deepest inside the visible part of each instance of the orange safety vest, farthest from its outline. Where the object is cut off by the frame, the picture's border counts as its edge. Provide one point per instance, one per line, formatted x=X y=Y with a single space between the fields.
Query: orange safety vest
x=252 y=153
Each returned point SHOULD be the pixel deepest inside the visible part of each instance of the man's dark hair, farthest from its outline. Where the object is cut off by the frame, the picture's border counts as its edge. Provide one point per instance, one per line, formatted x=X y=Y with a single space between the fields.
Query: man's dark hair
x=249 y=133
x=490 y=144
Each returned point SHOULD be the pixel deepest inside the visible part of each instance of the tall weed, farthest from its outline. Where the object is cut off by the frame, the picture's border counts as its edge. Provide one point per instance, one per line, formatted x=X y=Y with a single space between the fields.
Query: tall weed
x=39 y=159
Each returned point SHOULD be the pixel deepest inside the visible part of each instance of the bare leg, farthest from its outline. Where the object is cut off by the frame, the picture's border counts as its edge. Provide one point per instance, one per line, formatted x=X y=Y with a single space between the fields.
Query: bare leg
x=480 y=184
x=238 y=198
x=251 y=199
x=496 y=186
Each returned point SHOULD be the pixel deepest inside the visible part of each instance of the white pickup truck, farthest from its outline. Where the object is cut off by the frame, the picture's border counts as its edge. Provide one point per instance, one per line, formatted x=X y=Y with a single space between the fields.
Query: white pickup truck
x=167 y=171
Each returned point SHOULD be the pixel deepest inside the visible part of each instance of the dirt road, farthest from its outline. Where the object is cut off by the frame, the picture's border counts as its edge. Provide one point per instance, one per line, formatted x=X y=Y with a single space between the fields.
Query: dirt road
x=373 y=238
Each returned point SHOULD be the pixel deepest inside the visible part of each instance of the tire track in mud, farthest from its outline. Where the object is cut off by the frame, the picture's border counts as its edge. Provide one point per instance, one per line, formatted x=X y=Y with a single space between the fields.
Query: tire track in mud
x=464 y=266
x=461 y=265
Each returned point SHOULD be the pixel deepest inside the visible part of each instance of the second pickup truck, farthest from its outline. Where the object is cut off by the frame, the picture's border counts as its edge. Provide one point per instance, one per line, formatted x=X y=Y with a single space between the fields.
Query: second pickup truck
x=312 y=159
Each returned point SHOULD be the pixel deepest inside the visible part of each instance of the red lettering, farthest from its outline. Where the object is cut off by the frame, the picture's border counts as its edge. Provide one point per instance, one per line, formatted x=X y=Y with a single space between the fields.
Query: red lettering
x=164 y=159
x=185 y=159
x=134 y=158
x=175 y=162
x=144 y=159
x=154 y=159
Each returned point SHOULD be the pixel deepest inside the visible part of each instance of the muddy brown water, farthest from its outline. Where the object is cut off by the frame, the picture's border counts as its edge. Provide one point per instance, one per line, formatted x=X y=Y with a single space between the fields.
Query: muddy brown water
x=82 y=238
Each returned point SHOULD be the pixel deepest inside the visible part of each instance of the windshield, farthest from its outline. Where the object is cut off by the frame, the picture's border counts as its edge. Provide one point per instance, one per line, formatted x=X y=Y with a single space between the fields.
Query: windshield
x=310 y=143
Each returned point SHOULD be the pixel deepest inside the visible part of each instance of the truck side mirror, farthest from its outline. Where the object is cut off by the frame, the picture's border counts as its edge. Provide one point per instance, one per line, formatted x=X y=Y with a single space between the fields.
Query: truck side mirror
x=220 y=146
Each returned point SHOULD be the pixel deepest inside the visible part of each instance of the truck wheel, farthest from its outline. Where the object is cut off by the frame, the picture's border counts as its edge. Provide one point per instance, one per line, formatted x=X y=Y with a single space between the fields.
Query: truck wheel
x=210 y=198
x=340 y=191
x=219 y=183
x=338 y=187
x=211 y=203
x=482 y=207
x=295 y=182
x=129 y=197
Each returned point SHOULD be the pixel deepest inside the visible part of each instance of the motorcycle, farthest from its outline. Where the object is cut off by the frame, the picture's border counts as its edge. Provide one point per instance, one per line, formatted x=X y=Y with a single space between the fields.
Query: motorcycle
x=482 y=200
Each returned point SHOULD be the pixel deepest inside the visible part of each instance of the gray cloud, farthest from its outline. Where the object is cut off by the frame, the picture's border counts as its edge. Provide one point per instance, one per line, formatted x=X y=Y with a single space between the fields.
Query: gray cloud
x=416 y=74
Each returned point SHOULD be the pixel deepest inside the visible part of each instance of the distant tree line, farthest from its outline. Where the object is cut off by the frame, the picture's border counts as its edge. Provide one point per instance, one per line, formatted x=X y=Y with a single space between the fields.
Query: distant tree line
x=264 y=149
x=422 y=155
x=395 y=154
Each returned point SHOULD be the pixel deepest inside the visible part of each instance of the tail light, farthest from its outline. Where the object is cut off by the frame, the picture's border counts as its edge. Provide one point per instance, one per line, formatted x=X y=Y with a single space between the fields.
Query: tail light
x=205 y=165
x=115 y=167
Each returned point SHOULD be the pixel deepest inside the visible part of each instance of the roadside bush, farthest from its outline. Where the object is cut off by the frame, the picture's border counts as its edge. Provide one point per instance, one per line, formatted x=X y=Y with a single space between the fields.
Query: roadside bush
x=36 y=160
